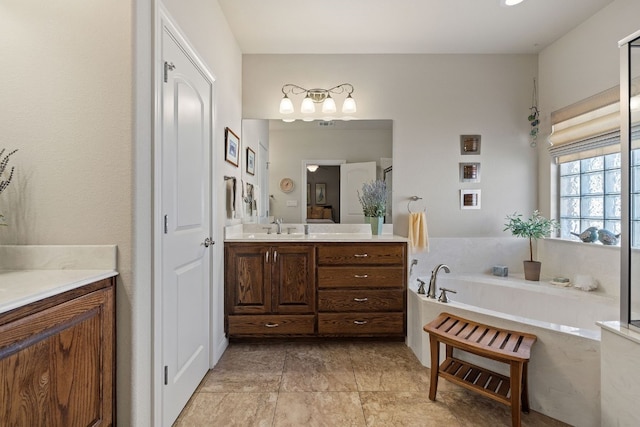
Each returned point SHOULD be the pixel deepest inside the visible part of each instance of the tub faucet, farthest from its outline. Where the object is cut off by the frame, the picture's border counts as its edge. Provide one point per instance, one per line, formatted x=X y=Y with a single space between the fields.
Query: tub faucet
x=431 y=292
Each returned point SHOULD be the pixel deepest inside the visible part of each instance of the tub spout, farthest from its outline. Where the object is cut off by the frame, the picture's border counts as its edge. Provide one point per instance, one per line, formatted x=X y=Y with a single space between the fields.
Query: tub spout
x=431 y=292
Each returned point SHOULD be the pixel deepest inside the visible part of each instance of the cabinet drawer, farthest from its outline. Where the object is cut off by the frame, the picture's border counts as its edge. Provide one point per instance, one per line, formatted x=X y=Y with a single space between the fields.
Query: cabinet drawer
x=271 y=324
x=360 y=300
x=365 y=276
x=380 y=253
x=360 y=323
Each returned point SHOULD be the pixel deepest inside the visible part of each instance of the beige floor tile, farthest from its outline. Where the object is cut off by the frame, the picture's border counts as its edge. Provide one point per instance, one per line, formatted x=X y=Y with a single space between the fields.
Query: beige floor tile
x=406 y=409
x=326 y=409
x=474 y=410
x=318 y=367
x=392 y=378
x=254 y=357
x=229 y=381
x=229 y=409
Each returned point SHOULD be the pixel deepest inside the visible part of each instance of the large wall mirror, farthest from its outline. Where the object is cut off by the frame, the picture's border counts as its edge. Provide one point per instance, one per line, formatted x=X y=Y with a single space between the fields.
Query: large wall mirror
x=312 y=169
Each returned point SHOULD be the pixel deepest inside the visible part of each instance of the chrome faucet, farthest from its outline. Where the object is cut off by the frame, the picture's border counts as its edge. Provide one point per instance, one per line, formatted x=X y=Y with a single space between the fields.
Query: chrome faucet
x=431 y=292
x=278 y=223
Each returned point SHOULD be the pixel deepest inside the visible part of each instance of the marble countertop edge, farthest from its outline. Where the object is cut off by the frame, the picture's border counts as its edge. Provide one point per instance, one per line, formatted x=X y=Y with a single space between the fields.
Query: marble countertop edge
x=617 y=328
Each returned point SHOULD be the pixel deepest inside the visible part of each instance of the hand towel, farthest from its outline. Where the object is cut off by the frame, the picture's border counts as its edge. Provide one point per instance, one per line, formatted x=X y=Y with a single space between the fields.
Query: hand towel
x=418 y=235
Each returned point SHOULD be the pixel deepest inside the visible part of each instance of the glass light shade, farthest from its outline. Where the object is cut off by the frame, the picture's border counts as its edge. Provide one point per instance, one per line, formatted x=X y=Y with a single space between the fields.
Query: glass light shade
x=286 y=106
x=307 y=106
x=511 y=2
x=289 y=120
x=329 y=105
x=349 y=105
x=312 y=168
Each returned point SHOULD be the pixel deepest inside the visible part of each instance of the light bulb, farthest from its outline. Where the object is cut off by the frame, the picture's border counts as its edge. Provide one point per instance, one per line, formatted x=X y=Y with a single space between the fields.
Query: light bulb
x=312 y=168
x=329 y=105
x=307 y=106
x=349 y=106
x=286 y=106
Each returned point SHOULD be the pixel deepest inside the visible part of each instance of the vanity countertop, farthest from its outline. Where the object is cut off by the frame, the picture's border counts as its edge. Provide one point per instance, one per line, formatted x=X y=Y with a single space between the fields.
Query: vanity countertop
x=317 y=233
x=21 y=287
x=32 y=273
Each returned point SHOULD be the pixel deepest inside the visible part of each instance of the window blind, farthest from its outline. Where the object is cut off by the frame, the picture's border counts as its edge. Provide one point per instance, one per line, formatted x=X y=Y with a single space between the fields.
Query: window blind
x=591 y=127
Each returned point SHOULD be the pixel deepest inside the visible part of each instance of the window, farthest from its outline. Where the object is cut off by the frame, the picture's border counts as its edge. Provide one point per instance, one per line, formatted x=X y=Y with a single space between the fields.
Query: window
x=590 y=194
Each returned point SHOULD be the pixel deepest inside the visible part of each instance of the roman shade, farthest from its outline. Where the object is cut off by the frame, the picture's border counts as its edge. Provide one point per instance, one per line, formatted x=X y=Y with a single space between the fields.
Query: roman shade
x=591 y=127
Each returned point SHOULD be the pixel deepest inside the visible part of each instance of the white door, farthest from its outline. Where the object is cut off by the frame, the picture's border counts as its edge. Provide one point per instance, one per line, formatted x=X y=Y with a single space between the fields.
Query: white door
x=263 y=170
x=352 y=176
x=186 y=275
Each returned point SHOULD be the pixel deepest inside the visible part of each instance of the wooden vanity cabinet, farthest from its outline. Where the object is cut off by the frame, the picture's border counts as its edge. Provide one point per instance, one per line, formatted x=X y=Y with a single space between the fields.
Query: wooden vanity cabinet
x=57 y=359
x=269 y=289
x=361 y=289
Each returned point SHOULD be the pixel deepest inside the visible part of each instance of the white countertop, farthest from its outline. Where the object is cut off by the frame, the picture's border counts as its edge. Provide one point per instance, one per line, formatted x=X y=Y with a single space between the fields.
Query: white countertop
x=21 y=287
x=30 y=273
x=317 y=233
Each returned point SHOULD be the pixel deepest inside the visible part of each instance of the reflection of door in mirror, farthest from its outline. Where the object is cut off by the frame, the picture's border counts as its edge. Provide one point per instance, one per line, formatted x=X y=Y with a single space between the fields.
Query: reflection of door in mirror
x=293 y=144
x=323 y=187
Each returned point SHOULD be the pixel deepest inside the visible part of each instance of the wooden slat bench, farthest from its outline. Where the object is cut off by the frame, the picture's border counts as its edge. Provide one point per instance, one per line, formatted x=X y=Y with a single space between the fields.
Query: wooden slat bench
x=503 y=345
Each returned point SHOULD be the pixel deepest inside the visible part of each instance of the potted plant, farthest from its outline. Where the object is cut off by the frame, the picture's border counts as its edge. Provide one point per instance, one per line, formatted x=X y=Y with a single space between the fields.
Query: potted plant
x=374 y=203
x=536 y=227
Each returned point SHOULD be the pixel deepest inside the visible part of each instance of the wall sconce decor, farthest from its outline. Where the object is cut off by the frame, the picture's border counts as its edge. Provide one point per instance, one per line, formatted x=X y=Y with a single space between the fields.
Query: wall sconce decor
x=317 y=96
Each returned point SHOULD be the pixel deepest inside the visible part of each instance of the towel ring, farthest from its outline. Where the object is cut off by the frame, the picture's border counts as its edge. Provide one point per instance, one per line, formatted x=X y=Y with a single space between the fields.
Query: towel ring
x=414 y=199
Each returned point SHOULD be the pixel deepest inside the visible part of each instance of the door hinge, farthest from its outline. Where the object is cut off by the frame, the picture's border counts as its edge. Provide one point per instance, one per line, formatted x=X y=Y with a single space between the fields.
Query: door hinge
x=166 y=375
x=168 y=66
x=166 y=224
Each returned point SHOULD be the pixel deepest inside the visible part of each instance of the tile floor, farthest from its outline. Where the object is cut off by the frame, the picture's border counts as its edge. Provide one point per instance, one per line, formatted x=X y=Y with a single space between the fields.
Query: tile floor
x=335 y=385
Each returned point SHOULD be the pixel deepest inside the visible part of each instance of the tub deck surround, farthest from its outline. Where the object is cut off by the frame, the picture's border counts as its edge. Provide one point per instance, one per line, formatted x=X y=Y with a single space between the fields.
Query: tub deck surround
x=564 y=371
x=32 y=273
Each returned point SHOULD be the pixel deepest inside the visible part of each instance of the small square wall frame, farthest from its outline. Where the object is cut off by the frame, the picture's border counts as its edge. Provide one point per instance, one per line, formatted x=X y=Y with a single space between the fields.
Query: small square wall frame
x=470 y=199
x=469 y=172
x=470 y=144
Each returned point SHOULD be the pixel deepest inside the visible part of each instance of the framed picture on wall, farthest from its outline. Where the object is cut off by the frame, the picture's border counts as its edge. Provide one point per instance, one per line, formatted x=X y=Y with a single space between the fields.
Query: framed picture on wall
x=469 y=172
x=251 y=161
x=470 y=199
x=321 y=194
x=231 y=147
x=470 y=144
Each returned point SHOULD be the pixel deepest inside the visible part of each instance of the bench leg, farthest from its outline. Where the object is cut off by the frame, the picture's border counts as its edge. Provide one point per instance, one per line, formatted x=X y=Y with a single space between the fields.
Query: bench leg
x=516 y=384
x=525 y=389
x=435 y=366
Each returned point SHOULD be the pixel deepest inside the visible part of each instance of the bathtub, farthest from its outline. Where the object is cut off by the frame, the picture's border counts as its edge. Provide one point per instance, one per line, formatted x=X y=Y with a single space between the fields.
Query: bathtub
x=564 y=370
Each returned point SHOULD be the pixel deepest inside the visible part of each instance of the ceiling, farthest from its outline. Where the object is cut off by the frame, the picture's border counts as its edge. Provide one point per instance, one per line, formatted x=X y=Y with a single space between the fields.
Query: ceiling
x=402 y=26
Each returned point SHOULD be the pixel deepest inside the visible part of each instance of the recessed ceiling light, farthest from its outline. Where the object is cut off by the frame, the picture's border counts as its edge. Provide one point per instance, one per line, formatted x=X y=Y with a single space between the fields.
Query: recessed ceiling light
x=510 y=2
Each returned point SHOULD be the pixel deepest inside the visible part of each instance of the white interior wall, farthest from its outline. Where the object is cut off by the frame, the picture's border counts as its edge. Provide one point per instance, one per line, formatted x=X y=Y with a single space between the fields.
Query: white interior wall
x=67 y=106
x=432 y=100
x=290 y=147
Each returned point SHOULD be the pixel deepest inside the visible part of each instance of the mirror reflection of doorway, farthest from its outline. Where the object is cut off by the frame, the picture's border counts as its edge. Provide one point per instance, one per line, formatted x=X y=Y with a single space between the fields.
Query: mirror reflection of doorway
x=323 y=195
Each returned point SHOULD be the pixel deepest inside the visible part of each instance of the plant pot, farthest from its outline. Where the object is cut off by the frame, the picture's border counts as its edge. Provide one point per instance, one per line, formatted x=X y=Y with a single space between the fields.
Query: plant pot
x=376 y=225
x=532 y=270
x=367 y=219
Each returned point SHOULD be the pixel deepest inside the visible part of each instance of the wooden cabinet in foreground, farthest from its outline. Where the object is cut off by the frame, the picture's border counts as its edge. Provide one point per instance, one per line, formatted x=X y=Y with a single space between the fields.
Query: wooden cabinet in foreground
x=57 y=359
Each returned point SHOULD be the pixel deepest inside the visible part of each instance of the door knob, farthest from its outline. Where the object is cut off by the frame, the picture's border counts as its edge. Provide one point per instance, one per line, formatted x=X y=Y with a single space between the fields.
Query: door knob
x=208 y=242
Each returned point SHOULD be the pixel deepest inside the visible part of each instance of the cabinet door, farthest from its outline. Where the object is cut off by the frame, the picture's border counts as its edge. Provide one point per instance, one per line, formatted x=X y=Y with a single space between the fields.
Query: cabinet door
x=247 y=279
x=293 y=279
x=56 y=365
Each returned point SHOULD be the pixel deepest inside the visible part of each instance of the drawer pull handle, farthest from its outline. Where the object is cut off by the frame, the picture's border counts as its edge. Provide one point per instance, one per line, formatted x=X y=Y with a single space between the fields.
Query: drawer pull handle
x=271 y=325
x=361 y=299
x=360 y=322
x=360 y=276
x=361 y=255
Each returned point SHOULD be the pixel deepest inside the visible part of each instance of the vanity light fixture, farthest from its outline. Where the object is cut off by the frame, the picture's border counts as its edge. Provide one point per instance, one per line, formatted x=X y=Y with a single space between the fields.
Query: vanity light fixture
x=317 y=96
x=312 y=168
x=510 y=2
